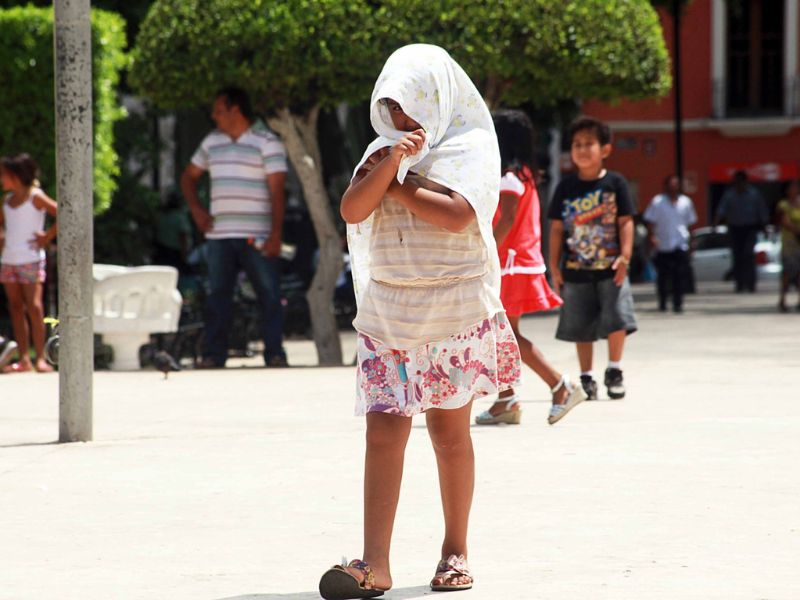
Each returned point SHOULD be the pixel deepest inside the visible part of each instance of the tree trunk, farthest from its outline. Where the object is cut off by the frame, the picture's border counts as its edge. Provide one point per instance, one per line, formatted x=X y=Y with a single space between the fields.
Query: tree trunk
x=299 y=133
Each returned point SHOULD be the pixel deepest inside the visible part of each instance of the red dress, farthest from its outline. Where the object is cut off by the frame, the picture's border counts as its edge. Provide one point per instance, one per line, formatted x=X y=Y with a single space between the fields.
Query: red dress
x=524 y=287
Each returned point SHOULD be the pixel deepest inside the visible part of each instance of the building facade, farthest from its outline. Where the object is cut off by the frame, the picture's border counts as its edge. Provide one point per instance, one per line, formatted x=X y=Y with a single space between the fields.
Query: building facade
x=740 y=104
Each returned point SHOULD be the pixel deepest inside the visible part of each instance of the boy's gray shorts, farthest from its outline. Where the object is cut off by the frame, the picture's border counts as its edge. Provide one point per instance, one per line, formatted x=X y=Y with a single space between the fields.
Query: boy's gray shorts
x=594 y=309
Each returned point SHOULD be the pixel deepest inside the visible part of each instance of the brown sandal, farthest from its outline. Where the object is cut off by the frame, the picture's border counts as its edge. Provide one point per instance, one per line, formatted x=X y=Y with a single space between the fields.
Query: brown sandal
x=338 y=584
x=448 y=569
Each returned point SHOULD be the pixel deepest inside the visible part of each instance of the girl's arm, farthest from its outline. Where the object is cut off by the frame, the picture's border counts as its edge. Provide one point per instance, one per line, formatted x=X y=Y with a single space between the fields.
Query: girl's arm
x=44 y=202
x=508 y=213
x=366 y=192
x=433 y=203
x=368 y=189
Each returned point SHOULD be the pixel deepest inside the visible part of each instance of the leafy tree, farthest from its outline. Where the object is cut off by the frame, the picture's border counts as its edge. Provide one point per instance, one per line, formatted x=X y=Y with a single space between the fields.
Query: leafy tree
x=298 y=57
x=26 y=100
x=543 y=51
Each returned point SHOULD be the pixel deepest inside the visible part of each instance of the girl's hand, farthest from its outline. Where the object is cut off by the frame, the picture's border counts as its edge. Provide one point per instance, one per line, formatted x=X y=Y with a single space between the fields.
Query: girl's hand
x=409 y=145
x=40 y=240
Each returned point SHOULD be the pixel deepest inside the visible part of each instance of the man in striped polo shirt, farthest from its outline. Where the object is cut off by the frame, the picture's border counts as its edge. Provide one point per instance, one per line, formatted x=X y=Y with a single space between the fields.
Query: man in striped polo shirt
x=243 y=226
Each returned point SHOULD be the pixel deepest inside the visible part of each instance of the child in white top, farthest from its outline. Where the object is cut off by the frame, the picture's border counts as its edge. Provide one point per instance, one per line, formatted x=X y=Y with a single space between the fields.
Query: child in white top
x=432 y=332
x=22 y=264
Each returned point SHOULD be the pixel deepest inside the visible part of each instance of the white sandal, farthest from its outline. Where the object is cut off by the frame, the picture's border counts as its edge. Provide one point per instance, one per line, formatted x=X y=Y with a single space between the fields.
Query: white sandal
x=575 y=396
x=508 y=416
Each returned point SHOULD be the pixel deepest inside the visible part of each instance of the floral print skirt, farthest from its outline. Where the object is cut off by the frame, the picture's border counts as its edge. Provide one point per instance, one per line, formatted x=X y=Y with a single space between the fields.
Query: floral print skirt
x=480 y=361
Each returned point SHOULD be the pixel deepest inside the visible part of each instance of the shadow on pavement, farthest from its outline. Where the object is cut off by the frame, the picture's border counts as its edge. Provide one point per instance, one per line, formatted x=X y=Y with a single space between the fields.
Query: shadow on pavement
x=395 y=594
x=26 y=444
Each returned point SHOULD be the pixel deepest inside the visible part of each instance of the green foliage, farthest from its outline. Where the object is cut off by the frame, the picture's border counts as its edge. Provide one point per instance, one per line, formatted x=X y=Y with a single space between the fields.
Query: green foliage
x=123 y=235
x=543 y=51
x=308 y=52
x=293 y=54
x=27 y=119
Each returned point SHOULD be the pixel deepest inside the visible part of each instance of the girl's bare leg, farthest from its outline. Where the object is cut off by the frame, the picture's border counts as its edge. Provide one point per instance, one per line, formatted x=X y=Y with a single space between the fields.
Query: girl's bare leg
x=33 y=303
x=532 y=357
x=387 y=436
x=452 y=443
x=19 y=323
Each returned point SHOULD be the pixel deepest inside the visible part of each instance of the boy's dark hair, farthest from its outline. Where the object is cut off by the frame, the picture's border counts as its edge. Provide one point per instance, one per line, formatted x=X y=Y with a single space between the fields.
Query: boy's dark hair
x=596 y=126
x=22 y=166
x=235 y=96
x=515 y=136
x=740 y=176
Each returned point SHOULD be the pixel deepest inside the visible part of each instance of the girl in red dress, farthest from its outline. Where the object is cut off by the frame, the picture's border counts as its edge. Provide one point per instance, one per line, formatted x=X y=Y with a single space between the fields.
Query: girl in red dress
x=524 y=287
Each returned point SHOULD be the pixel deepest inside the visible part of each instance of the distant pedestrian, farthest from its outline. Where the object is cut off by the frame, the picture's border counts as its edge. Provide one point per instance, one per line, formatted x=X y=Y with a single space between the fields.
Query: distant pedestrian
x=432 y=333
x=243 y=227
x=591 y=241
x=23 y=239
x=668 y=219
x=789 y=218
x=743 y=209
x=524 y=289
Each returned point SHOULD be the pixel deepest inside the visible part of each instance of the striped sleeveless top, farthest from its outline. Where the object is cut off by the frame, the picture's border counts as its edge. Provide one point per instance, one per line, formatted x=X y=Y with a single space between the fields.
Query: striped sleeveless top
x=427 y=283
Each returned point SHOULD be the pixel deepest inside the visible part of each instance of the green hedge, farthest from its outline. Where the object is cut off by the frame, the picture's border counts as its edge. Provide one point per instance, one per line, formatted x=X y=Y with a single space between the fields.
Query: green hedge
x=27 y=119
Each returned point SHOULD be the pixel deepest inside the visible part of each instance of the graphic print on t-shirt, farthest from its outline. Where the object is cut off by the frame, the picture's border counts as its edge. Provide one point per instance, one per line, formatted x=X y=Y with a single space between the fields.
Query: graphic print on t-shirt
x=590 y=224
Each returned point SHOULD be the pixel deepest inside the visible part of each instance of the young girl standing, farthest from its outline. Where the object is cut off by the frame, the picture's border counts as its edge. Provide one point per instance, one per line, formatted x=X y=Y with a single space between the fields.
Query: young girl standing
x=432 y=332
x=518 y=233
x=22 y=264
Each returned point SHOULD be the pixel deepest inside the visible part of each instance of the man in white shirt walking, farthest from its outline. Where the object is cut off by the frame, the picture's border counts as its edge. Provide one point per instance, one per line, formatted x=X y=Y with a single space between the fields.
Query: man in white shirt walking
x=243 y=226
x=668 y=219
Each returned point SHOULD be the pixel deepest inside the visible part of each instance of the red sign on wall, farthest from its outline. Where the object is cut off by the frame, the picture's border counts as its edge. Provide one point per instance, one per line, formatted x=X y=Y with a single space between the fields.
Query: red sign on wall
x=763 y=171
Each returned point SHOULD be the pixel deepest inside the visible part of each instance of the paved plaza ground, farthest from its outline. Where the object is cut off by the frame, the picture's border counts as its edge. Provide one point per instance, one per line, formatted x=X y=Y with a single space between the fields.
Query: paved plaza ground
x=245 y=484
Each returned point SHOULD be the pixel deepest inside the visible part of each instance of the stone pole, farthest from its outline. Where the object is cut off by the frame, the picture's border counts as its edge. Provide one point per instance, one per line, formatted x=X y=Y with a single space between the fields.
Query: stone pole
x=73 y=98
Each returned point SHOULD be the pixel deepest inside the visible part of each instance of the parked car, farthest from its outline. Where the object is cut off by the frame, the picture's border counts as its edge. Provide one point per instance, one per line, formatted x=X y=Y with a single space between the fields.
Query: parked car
x=712 y=254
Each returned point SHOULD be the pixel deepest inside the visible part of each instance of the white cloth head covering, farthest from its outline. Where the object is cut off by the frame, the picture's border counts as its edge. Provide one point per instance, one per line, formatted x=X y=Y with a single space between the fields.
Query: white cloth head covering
x=460 y=151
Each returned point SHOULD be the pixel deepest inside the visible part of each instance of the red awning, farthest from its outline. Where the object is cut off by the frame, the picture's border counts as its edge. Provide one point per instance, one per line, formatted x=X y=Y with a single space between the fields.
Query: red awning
x=756 y=171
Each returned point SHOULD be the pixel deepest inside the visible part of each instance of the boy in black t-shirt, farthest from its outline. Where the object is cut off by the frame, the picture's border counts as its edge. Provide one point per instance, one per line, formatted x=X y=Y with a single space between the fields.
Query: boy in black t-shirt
x=591 y=240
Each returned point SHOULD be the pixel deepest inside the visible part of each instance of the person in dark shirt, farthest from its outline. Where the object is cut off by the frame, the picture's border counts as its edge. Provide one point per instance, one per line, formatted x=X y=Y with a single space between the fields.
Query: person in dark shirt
x=591 y=241
x=743 y=208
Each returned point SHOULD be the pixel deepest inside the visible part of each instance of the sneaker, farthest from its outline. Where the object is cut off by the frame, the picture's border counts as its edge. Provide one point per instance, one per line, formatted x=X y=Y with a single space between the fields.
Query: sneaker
x=589 y=386
x=613 y=381
x=7 y=349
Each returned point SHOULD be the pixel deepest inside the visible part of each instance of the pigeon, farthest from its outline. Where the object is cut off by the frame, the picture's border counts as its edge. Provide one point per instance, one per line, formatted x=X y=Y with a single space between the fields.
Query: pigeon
x=165 y=363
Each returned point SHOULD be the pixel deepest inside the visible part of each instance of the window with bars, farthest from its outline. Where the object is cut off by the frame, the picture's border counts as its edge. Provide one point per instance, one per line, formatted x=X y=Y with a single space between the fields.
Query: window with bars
x=755 y=57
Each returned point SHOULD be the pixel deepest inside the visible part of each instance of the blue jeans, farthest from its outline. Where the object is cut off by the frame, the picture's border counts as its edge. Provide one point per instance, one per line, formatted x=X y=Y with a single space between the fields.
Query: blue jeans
x=225 y=259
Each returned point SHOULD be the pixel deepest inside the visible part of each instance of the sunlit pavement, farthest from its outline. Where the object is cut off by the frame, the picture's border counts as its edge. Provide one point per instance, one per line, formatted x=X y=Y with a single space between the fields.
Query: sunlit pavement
x=246 y=483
